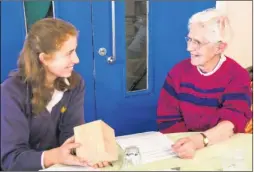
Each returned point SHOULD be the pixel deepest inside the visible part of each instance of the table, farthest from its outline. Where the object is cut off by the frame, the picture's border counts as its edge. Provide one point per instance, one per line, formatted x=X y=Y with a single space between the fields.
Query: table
x=206 y=159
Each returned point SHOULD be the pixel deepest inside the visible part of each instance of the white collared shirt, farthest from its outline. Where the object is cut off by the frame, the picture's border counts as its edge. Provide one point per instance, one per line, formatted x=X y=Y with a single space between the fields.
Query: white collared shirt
x=222 y=60
x=56 y=97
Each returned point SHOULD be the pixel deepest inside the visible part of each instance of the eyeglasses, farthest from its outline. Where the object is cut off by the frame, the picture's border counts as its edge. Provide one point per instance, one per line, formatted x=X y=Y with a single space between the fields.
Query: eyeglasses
x=195 y=42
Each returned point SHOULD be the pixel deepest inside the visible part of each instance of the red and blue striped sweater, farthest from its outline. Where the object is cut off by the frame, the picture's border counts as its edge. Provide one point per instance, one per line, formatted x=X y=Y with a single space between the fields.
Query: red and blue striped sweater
x=190 y=101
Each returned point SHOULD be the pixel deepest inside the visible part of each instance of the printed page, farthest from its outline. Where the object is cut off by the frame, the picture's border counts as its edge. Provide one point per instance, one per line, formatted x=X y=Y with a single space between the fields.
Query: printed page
x=153 y=146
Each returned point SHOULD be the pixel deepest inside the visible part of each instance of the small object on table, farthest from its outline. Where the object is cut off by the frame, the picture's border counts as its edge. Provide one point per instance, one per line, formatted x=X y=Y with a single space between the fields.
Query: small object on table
x=131 y=157
x=176 y=169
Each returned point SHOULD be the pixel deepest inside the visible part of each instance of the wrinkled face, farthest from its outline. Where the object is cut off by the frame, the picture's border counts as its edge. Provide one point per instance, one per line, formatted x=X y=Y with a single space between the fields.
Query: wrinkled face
x=201 y=50
x=63 y=61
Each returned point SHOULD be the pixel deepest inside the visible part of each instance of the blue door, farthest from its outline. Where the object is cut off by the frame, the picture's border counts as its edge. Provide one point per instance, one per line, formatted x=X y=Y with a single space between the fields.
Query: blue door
x=125 y=48
x=135 y=44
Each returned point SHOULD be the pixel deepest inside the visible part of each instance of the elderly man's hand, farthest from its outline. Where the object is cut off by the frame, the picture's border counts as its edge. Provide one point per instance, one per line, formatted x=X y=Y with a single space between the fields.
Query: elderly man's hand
x=186 y=147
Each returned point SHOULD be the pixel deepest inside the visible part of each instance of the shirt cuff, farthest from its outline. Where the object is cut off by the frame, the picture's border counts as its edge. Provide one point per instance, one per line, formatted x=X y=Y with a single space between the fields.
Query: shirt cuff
x=42 y=160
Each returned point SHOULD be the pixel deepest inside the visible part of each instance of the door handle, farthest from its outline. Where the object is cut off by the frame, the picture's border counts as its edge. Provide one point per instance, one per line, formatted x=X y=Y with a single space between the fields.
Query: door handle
x=112 y=58
x=103 y=51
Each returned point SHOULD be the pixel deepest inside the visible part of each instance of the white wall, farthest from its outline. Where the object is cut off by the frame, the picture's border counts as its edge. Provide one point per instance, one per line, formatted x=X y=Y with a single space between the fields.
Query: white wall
x=240 y=16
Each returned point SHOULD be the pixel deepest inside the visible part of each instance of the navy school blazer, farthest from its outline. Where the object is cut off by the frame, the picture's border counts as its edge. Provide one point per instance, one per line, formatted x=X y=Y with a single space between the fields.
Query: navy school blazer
x=25 y=136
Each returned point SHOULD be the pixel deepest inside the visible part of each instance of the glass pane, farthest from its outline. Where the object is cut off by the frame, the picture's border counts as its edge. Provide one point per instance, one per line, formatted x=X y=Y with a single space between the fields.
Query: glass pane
x=136 y=44
x=36 y=10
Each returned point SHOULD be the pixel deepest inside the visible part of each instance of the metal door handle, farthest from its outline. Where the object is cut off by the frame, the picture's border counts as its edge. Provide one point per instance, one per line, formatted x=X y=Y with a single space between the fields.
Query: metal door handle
x=103 y=51
x=112 y=58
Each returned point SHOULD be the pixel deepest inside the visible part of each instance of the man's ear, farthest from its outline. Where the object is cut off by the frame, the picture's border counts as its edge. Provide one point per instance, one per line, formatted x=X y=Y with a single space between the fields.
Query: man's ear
x=43 y=58
x=221 y=47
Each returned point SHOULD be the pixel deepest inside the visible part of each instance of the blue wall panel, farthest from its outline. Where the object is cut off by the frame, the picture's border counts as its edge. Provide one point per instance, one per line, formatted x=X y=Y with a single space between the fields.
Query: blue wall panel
x=12 y=35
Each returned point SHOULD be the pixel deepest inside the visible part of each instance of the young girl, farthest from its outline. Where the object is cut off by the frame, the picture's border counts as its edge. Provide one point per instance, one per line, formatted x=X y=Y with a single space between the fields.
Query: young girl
x=43 y=100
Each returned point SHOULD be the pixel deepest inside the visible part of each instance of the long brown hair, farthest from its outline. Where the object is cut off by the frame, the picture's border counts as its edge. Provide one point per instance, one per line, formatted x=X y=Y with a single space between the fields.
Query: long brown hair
x=45 y=36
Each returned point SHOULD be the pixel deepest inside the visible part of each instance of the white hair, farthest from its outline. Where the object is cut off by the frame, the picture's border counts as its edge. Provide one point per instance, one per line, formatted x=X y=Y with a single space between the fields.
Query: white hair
x=216 y=24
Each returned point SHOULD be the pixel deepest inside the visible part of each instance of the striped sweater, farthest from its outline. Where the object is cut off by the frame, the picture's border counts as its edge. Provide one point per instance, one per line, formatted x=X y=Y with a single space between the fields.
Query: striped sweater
x=190 y=101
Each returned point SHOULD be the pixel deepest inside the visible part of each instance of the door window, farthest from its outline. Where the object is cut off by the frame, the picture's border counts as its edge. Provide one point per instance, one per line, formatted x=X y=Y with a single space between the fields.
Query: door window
x=136 y=19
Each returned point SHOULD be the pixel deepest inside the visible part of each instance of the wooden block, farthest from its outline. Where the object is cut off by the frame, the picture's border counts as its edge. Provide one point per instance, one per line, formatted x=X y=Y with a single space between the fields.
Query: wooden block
x=98 y=142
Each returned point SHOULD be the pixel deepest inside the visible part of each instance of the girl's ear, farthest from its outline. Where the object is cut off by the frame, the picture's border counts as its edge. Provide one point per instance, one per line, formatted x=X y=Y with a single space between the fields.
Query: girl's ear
x=43 y=58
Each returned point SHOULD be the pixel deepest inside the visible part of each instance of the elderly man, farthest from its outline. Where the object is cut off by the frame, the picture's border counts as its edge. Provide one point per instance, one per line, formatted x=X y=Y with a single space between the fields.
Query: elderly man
x=207 y=93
